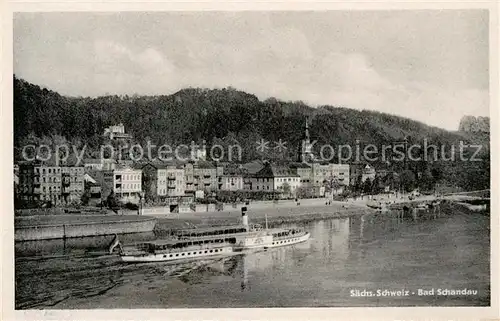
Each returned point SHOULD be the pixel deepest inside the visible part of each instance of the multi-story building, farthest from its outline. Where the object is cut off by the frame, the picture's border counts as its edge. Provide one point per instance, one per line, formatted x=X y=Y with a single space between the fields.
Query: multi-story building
x=163 y=179
x=46 y=181
x=231 y=182
x=93 y=164
x=320 y=173
x=125 y=183
x=304 y=171
x=327 y=172
x=340 y=172
x=274 y=178
x=200 y=176
x=230 y=179
x=99 y=164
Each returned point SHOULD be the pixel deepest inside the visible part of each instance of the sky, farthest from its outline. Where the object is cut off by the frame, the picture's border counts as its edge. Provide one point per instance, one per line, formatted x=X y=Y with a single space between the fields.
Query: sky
x=427 y=65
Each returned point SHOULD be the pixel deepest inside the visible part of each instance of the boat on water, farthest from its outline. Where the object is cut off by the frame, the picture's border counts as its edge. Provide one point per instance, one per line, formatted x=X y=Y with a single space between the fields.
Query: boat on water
x=175 y=250
x=212 y=242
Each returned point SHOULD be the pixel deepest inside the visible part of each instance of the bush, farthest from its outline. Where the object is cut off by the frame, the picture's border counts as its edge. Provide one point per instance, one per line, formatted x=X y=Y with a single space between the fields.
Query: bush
x=131 y=206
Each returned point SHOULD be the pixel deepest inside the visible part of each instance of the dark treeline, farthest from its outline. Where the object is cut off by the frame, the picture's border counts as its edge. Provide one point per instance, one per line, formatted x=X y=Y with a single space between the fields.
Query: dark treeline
x=228 y=116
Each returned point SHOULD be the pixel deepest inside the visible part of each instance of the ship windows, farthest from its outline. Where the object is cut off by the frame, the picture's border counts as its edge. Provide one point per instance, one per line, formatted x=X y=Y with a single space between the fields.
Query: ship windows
x=189 y=253
x=211 y=251
x=170 y=255
x=206 y=251
x=164 y=256
x=183 y=254
x=200 y=252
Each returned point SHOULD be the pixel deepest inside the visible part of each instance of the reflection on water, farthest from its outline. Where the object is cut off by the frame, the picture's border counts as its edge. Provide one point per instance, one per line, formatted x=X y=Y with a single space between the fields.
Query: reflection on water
x=379 y=251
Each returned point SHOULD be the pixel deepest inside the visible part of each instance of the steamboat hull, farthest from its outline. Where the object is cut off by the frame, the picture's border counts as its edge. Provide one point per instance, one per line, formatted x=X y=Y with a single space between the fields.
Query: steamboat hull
x=179 y=257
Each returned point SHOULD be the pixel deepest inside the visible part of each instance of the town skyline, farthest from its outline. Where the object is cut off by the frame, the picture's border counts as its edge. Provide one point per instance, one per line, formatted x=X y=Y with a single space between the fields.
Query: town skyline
x=435 y=78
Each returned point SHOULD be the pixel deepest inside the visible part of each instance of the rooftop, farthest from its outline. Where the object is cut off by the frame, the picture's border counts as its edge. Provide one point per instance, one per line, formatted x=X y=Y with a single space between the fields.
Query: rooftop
x=270 y=170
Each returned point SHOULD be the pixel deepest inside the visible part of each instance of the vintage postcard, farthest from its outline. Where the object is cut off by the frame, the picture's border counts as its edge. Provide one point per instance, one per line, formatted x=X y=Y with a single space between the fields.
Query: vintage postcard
x=242 y=161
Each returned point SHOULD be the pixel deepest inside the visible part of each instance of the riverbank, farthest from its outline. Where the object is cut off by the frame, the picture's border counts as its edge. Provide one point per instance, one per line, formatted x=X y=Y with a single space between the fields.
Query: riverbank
x=44 y=227
x=275 y=216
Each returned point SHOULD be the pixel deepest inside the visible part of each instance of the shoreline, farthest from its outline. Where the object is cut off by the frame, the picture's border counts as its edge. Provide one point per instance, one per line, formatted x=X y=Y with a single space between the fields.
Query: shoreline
x=275 y=217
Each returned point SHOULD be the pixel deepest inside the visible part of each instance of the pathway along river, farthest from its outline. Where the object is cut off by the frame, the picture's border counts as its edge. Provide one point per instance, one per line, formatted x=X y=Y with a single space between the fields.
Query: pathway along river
x=342 y=258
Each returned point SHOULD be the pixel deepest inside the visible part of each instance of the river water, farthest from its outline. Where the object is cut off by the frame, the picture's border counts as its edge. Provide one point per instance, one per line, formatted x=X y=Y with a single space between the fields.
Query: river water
x=344 y=261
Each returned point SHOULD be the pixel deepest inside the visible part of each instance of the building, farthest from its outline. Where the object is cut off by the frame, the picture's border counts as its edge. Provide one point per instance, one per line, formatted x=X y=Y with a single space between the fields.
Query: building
x=99 y=164
x=125 y=183
x=200 y=176
x=304 y=171
x=363 y=171
x=116 y=132
x=163 y=179
x=230 y=179
x=341 y=173
x=93 y=164
x=275 y=178
x=47 y=182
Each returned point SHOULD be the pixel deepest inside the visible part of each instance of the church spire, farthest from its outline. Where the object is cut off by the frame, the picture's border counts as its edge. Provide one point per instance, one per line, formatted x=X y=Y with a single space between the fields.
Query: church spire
x=306 y=133
x=305 y=153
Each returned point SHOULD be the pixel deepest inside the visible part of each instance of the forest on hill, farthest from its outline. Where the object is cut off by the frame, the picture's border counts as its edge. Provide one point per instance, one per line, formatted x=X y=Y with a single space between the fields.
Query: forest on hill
x=228 y=116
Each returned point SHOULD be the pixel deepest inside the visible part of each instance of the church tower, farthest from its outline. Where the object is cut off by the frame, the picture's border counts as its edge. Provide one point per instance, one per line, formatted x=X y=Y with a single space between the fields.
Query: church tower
x=305 y=153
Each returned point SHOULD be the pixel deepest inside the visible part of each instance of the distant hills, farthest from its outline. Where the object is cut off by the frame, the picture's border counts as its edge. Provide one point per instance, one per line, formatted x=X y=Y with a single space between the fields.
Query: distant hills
x=226 y=116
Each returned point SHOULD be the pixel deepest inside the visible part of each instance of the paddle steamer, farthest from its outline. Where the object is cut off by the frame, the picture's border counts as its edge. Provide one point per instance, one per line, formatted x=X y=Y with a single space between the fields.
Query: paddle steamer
x=212 y=242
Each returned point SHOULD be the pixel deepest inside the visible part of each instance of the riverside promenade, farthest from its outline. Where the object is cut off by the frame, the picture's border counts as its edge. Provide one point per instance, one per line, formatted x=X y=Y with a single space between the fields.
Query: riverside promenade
x=48 y=226
x=277 y=213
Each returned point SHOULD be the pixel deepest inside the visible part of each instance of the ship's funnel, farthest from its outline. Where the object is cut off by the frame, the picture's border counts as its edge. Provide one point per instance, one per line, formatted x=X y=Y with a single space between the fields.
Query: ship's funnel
x=244 y=217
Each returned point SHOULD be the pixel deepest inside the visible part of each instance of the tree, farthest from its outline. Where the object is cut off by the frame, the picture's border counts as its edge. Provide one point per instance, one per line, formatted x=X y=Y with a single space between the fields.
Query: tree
x=377 y=185
x=111 y=200
x=367 y=185
x=286 y=189
x=85 y=197
x=426 y=181
x=304 y=192
x=358 y=183
x=332 y=185
x=407 y=180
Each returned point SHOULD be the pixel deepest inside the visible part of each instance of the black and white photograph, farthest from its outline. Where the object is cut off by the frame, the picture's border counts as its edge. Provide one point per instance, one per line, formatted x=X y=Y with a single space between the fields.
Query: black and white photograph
x=194 y=159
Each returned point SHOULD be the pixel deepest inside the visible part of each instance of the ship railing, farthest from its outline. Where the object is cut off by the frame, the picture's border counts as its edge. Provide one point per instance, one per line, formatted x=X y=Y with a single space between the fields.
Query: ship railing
x=193 y=248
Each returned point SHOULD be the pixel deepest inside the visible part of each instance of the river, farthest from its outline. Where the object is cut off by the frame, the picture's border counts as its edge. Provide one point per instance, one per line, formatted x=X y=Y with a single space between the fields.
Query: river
x=344 y=261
